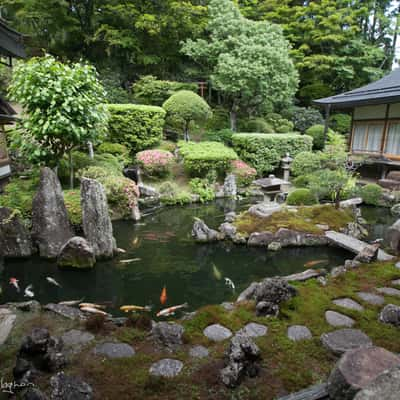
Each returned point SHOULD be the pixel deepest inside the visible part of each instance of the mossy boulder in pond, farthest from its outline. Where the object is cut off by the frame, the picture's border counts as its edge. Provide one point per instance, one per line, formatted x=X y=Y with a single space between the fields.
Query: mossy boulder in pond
x=76 y=253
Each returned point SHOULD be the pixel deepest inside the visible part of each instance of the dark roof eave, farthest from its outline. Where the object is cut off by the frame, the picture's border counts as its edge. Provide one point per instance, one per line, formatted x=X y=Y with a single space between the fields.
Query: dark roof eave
x=351 y=104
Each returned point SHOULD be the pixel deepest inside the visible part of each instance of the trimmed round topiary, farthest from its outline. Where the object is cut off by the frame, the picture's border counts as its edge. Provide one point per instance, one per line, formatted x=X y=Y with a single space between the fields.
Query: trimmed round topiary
x=371 y=194
x=317 y=133
x=301 y=197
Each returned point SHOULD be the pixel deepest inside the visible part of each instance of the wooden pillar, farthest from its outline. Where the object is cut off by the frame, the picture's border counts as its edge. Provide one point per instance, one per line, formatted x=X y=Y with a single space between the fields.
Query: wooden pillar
x=327 y=115
x=385 y=129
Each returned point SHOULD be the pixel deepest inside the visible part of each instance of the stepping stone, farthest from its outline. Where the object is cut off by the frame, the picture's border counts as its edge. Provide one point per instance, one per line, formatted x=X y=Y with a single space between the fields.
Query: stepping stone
x=114 y=350
x=371 y=298
x=397 y=265
x=396 y=282
x=217 y=332
x=385 y=387
x=349 y=304
x=298 y=332
x=7 y=319
x=336 y=319
x=168 y=368
x=356 y=369
x=338 y=342
x=253 y=329
x=199 y=352
x=75 y=339
x=389 y=291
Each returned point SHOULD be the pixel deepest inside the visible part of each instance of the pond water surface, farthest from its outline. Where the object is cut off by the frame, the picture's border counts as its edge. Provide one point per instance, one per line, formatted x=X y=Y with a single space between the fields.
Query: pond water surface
x=165 y=254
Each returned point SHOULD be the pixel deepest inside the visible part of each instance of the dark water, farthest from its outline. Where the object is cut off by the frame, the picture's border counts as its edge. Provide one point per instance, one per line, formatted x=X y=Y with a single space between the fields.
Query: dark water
x=379 y=219
x=168 y=256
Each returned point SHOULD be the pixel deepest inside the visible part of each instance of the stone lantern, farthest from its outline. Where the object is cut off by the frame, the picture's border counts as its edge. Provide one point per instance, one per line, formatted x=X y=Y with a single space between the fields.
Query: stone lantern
x=286 y=161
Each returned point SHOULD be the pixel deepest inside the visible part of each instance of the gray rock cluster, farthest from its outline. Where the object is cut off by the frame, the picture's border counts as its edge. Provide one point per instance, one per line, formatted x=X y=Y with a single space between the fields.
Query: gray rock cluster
x=38 y=352
x=268 y=294
x=241 y=360
x=202 y=233
x=69 y=387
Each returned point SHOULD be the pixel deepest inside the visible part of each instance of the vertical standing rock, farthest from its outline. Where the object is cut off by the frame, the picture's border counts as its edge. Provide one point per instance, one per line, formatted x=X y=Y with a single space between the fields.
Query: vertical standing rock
x=50 y=224
x=230 y=188
x=96 y=219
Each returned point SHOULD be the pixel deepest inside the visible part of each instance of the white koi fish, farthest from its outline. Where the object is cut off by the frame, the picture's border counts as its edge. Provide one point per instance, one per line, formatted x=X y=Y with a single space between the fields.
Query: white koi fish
x=28 y=291
x=70 y=302
x=91 y=305
x=229 y=283
x=171 y=310
x=93 y=310
x=52 y=281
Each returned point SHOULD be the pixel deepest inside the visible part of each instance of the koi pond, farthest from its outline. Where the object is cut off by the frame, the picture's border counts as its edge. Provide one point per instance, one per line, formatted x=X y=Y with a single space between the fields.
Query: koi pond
x=162 y=252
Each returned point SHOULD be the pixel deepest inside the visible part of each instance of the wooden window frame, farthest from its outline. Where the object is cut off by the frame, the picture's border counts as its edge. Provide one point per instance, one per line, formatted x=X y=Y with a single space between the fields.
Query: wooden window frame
x=390 y=155
x=368 y=123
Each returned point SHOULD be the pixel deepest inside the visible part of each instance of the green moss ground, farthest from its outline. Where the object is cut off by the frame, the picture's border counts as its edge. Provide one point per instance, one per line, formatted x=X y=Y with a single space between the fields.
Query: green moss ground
x=304 y=220
x=286 y=366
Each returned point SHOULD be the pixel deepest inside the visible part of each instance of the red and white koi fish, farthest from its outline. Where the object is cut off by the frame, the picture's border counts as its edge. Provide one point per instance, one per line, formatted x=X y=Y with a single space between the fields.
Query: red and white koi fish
x=14 y=282
x=171 y=310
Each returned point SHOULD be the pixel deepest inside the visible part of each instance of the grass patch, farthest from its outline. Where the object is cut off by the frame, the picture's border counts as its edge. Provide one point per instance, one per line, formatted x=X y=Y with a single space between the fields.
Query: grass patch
x=304 y=220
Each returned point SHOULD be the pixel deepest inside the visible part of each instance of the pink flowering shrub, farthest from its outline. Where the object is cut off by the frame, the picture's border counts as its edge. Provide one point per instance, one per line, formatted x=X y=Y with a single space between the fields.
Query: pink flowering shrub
x=244 y=173
x=155 y=162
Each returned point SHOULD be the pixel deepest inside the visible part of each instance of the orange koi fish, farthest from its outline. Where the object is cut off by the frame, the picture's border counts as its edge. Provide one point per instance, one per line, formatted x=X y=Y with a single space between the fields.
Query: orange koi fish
x=163 y=297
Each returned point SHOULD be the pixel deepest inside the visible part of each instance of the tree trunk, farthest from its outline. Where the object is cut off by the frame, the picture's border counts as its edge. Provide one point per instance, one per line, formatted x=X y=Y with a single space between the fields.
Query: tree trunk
x=233 y=118
x=71 y=171
x=186 y=132
x=91 y=152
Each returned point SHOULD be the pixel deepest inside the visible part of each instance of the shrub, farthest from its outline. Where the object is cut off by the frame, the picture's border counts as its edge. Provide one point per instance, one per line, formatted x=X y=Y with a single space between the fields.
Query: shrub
x=171 y=194
x=243 y=172
x=223 y=136
x=122 y=194
x=200 y=158
x=317 y=133
x=219 y=120
x=264 y=152
x=167 y=145
x=305 y=117
x=202 y=188
x=301 y=197
x=278 y=123
x=138 y=127
x=72 y=199
x=186 y=107
x=341 y=123
x=118 y=150
x=155 y=162
x=306 y=162
x=93 y=172
x=150 y=90
x=257 y=125
x=371 y=194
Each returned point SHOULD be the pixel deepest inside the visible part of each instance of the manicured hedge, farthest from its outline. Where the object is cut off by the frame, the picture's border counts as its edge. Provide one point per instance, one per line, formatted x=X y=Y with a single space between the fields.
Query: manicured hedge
x=136 y=126
x=200 y=158
x=264 y=151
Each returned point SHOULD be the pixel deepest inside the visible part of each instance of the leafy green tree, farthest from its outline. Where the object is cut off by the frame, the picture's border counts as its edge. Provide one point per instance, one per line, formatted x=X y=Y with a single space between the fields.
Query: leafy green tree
x=62 y=108
x=248 y=61
x=186 y=107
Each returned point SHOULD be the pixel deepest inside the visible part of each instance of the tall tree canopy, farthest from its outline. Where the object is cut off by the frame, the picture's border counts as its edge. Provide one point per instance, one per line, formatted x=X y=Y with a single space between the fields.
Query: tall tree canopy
x=248 y=61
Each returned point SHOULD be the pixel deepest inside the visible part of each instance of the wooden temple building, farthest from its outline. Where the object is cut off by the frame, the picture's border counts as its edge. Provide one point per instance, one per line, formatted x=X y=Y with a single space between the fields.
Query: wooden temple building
x=11 y=46
x=375 y=130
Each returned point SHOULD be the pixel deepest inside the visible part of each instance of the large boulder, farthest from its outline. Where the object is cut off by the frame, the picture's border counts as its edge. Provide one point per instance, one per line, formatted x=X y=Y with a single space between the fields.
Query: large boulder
x=260 y=239
x=15 y=240
x=274 y=290
x=241 y=359
x=264 y=210
x=50 y=224
x=288 y=237
x=76 y=253
x=385 y=387
x=96 y=220
x=202 y=233
x=368 y=254
x=356 y=369
x=7 y=319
